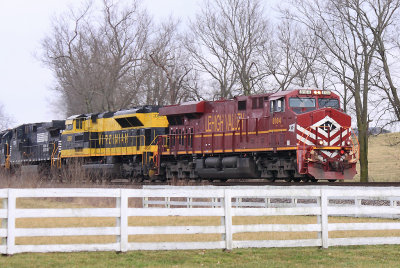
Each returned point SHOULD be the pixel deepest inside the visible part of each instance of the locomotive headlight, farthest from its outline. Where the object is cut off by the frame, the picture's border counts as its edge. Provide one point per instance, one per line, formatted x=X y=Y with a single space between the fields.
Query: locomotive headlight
x=348 y=143
x=326 y=92
x=320 y=142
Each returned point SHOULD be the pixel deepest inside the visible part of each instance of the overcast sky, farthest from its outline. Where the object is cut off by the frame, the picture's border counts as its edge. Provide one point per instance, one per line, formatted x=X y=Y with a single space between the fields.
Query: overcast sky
x=24 y=82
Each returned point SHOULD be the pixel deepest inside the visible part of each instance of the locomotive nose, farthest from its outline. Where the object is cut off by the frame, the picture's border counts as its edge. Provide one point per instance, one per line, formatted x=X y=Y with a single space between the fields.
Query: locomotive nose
x=325 y=134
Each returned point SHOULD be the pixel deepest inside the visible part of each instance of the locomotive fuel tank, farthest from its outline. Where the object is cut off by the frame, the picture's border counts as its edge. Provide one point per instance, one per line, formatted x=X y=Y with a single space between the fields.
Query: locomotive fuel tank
x=227 y=167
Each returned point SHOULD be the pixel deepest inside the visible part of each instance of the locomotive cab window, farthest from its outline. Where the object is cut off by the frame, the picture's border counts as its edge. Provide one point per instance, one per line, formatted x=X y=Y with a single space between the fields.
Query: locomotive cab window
x=277 y=106
x=302 y=105
x=332 y=103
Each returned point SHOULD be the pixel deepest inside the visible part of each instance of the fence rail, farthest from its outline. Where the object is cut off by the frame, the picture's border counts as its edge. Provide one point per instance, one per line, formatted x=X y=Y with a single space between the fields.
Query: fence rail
x=270 y=201
x=225 y=203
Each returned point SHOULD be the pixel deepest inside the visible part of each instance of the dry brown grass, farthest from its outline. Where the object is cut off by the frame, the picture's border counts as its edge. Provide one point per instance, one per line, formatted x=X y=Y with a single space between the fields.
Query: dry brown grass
x=383 y=158
x=68 y=176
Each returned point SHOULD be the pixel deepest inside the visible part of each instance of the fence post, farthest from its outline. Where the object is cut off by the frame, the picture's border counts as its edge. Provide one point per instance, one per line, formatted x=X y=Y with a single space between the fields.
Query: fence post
x=228 y=218
x=4 y=221
x=214 y=201
x=123 y=220
x=267 y=202
x=324 y=219
x=11 y=221
x=188 y=202
x=118 y=219
x=145 y=202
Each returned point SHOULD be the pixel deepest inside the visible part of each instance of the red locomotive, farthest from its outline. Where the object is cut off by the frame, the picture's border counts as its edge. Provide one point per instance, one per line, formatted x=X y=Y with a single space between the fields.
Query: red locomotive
x=290 y=135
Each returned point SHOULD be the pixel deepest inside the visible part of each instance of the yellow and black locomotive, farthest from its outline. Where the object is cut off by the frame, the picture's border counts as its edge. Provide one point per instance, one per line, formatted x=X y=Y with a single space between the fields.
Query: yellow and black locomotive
x=122 y=142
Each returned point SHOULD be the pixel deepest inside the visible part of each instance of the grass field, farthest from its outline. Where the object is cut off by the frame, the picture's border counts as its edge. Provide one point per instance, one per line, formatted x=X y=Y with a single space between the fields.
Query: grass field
x=384 y=158
x=352 y=256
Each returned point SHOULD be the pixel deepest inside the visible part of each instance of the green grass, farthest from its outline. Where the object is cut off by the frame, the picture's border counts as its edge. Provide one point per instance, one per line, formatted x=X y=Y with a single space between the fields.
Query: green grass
x=352 y=256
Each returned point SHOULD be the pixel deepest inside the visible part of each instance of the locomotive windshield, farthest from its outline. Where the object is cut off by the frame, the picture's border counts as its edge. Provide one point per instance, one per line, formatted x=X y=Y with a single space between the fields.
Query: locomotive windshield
x=302 y=105
x=332 y=103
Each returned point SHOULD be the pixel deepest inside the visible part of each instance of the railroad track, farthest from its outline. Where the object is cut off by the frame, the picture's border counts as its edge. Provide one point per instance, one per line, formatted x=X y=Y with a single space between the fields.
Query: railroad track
x=127 y=184
x=256 y=183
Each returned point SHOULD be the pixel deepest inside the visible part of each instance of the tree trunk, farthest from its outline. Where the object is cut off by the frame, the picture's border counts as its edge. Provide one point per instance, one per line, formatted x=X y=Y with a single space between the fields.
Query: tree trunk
x=363 y=140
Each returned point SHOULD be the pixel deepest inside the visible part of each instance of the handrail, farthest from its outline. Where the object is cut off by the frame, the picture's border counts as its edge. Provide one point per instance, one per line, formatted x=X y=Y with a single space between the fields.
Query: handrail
x=7 y=162
x=52 y=155
x=353 y=146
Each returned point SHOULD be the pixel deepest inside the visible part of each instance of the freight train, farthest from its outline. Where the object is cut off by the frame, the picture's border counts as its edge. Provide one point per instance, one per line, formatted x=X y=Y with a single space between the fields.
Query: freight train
x=289 y=135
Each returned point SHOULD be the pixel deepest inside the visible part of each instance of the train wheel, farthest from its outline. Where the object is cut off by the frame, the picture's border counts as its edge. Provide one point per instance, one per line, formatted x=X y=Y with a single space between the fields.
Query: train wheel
x=331 y=180
x=314 y=180
x=271 y=180
x=288 y=179
x=305 y=179
x=296 y=180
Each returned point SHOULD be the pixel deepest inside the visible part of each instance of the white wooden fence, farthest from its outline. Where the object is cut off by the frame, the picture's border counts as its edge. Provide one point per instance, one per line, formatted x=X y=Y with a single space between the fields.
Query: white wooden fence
x=279 y=201
x=321 y=209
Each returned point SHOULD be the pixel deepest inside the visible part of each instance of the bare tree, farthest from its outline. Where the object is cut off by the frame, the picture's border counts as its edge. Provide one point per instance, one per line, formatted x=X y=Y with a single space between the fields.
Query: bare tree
x=5 y=120
x=208 y=48
x=388 y=48
x=226 y=40
x=342 y=30
x=96 y=58
x=291 y=57
x=339 y=83
x=172 y=65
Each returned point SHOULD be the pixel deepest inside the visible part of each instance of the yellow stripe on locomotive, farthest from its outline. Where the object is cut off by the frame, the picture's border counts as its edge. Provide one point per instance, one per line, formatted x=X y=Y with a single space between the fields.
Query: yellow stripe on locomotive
x=123 y=133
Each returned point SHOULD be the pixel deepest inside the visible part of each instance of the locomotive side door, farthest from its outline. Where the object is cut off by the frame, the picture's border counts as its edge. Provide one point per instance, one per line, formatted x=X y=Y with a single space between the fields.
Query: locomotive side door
x=277 y=110
x=242 y=121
